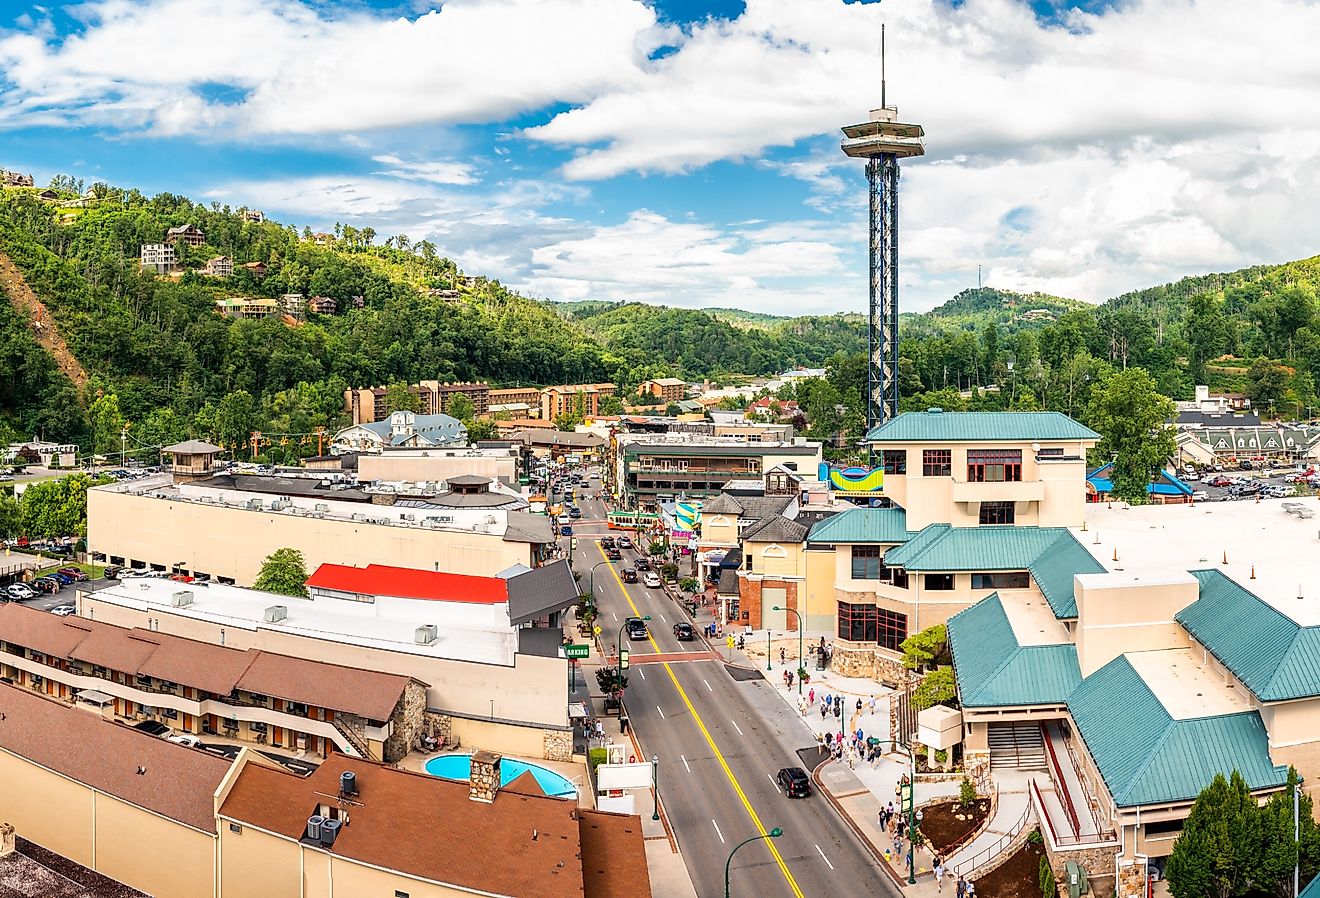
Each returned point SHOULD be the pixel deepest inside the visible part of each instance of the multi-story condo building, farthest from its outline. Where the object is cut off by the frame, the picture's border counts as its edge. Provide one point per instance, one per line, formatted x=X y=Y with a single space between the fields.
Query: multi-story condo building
x=573 y=398
x=158 y=257
x=662 y=390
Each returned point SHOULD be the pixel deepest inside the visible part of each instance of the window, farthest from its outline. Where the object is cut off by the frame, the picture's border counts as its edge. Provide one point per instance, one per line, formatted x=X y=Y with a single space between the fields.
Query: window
x=937 y=462
x=1050 y=452
x=857 y=623
x=942 y=582
x=892 y=627
x=997 y=513
x=256 y=726
x=895 y=461
x=899 y=577
x=866 y=563
x=399 y=893
x=994 y=465
x=1008 y=580
x=169 y=713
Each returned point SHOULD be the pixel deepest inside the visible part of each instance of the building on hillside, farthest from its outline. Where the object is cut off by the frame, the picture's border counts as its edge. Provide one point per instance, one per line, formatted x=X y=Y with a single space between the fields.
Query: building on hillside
x=256 y=269
x=255 y=216
x=1195 y=420
x=193 y=459
x=767 y=408
x=168 y=819
x=402 y=430
x=222 y=528
x=186 y=234
x=663 y=390
x=16 y=179
x=437 y=396
x=48 y=196
x=323 y=239
x=1278 y=444
x=570 y=399
x=247 y=307
x=546 y=442
x=468 y=638
x=157 y=257
x=529 y=396
x=323 y=305
x=219 y=266
x=1165 y=489
x=131 y=675
x=293 y=304
x=1214 y=403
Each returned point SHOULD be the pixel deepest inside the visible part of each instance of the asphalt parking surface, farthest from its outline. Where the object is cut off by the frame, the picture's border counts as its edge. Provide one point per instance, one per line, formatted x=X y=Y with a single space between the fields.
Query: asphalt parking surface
x=1223 y=493
x=66 y=595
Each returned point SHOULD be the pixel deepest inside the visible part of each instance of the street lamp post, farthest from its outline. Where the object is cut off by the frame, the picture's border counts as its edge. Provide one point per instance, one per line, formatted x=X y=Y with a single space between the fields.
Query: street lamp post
x=773 y=834
x=769 y=647
x=655 y=783
x=801 y=657
x=914 y=816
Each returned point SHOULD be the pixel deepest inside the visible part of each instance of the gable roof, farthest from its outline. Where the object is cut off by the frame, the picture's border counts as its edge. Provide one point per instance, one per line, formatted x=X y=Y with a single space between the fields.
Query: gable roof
x=940 y=547
x=178 y=782
x=386 y=580
x=613 y=855
x=863 y=525
x=1054 y=569
x=995 y=670
x=775 y=529
x=1275 y=658
x=540 y=591
x=430 y=427
x=722 y=504
x=1145 y=756
x=195 y=447
x=939 y=426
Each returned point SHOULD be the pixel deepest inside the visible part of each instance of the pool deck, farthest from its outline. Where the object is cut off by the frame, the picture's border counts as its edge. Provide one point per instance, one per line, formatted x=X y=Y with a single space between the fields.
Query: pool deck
x=575 y=772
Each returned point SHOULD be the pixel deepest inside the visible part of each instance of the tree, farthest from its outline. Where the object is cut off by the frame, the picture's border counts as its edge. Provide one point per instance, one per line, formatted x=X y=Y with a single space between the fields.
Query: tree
x=1208 y=332
x=611 y=682
x=1049 y=888
x=398 y=398
x=1213 y=856
x=1132 y=420
x=107 y=424
x=928 y=648
x=236 y=418
x=936 y=688
x=1279 y=842
x=284 y=572
x=1267 y=383
x=482 y=430
x=461 y=407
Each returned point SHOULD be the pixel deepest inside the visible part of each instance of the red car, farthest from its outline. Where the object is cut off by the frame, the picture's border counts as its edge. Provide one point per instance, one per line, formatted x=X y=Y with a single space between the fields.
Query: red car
x=75 y=573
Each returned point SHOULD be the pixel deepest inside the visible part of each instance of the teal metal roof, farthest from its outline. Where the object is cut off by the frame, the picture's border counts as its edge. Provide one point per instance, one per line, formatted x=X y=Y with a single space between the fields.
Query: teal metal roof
x=1275 y=657
x=1312 y=890
x=928 y=427
x=1054 y=569
x=1147 y=757
x=994 y=670
x=863 y=525
x=940 y=547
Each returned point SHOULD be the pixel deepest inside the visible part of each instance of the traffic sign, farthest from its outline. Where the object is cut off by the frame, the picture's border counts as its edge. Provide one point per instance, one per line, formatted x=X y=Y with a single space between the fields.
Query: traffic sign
x=577 y=650
x=596 y=629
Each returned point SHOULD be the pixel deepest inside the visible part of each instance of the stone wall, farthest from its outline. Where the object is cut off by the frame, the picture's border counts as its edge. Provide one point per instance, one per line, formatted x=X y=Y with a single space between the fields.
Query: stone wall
x=6 y=839
x=485 y=776
x=408 y=720
x=558 y=745
x=976 y=764
x=438 y=726
x=1131 y=879
x=869 y=662
x=1098 y=862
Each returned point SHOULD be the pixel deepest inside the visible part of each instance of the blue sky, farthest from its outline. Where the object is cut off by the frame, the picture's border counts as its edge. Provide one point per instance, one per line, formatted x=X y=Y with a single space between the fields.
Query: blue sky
x=687 y=153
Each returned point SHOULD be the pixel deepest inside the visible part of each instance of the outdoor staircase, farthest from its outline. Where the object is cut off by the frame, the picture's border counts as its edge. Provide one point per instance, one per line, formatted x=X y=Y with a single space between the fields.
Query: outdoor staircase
x=352 y=729
x=1017 y=746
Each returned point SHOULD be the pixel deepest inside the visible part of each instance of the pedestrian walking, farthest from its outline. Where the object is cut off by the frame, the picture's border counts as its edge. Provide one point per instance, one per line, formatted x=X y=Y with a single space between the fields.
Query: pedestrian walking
x=822 y=710
x=889 y=813
x=859 y=706
x=838 y=712
x=872 y=709
x=811 y=695
x=790 y=679
x=781 y=654
x=829 y=700
x=898 y=846
x=961 y=891
x=938 y=866
x=971 y=890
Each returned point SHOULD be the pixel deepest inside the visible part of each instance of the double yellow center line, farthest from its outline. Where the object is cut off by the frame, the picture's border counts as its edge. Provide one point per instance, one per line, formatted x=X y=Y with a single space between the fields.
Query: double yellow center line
x=733 y=780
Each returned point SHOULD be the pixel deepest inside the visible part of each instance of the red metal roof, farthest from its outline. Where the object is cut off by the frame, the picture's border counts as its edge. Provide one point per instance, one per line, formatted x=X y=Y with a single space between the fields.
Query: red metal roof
x=408 y=583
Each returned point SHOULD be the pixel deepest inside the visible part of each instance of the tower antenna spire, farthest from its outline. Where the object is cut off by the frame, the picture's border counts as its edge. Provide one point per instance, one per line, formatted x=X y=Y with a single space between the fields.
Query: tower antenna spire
x=882 y=66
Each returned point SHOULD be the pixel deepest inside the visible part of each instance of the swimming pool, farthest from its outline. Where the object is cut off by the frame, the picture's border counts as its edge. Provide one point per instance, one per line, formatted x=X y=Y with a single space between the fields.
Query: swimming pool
x=459 y=767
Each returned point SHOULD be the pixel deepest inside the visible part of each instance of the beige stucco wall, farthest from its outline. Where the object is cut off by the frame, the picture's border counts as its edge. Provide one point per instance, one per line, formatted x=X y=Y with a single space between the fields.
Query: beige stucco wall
x=1118 y=613
x=232 y=542
x=818 y=598
x=256 y=864
x=418 y=467
x=534 y=690
x=1050 y=494
x=151 y=853
x=719 y=530
x=775 y=559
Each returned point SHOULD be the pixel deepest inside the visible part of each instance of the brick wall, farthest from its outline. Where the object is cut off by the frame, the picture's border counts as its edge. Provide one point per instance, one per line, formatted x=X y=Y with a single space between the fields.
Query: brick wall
x=749 y=600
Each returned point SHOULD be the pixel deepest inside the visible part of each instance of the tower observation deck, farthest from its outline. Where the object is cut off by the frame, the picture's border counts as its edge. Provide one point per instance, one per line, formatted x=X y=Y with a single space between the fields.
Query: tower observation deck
x=883 y=141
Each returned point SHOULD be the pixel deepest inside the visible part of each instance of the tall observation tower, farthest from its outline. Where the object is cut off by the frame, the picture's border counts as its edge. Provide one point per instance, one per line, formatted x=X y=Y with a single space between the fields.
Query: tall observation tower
x=882 y=141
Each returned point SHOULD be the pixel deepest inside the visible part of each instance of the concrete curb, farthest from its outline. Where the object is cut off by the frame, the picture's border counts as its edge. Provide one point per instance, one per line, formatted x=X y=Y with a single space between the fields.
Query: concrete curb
x=853 y=825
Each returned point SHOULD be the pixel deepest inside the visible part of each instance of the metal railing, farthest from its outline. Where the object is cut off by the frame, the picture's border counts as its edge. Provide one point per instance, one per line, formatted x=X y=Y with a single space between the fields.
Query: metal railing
x=964 y=867
x=1061 y=784
x=975 y=831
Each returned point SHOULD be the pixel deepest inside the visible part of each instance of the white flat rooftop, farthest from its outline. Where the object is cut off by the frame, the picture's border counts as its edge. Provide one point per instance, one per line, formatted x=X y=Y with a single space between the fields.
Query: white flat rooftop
x=336 y=620
x=1282 y=550
x=1032 y=619
x=1185 y=687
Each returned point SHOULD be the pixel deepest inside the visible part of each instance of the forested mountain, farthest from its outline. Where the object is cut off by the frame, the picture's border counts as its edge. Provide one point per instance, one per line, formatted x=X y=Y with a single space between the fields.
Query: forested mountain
x=174 y=367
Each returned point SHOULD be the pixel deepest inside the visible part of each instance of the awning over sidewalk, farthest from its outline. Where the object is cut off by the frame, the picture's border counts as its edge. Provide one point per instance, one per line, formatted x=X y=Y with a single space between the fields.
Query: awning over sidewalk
x=92 y=697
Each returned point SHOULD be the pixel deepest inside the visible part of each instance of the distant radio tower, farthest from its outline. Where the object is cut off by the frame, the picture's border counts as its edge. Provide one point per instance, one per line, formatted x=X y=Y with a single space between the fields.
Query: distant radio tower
x=882 y=141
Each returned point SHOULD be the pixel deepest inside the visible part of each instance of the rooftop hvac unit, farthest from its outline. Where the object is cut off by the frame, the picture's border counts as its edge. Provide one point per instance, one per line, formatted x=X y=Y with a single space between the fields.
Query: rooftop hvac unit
x=254 y=504
x=321 y=506
x=348 y=783
x=278 y=505
x=329 y=829
x=407 y=517
x=425 y=634
x=182 y=599
x=275 y=613
x=359 y=517
x=314 y=826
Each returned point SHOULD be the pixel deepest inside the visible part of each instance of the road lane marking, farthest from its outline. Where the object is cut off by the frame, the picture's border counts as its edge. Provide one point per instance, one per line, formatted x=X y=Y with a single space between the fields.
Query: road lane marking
x=613 y=615
x=662 y=619
x=642 y=672
x=707 y=685
x=710 y=740
x=662 y=713
x=736 y=727
x=772 y=782
x=824 y=858
x=717 y=829
x=685 y=763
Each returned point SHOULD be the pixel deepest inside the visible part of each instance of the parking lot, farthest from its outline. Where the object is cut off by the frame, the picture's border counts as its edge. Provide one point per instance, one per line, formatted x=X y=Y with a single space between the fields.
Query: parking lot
x=1229 y=493
x=66 y=594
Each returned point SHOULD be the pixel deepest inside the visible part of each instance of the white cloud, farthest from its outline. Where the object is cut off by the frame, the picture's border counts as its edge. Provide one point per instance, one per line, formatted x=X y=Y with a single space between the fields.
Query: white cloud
x=445 y=172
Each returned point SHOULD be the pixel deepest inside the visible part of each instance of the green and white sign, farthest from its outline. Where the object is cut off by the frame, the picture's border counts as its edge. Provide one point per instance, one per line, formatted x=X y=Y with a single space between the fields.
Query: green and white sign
x=577 y=650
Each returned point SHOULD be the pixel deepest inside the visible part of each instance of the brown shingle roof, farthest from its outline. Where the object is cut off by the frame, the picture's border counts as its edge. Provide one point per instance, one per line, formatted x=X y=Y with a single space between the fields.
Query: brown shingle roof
x=425 y=826
x=40 y=631
x=524 y=784
x=201 y=665
x=116 y=648
x=363 y=692
x=613 y=855
x=178 y=782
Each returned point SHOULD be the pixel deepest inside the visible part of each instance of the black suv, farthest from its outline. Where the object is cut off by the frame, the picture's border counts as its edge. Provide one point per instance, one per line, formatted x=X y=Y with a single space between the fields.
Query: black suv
x=607 y=542
x=613 y=554
x=636 y=628
x=795 y=782
x=629 y=575
x=642 y=564
x=683 y=632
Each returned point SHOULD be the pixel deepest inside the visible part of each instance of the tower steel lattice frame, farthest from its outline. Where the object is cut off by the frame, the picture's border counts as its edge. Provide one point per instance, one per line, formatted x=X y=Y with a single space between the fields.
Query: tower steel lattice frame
x=882 y=329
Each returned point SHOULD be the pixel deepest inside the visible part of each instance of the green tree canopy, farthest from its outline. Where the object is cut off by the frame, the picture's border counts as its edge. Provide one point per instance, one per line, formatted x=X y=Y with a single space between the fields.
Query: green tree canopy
x=928 y=648
x=461 y=407
x=284 y=572
x=936 y=688
x=1132 y=419
x=398 y=398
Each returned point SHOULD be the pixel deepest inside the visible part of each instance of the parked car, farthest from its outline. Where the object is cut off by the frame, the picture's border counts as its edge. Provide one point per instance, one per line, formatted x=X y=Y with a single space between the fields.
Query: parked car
x=624 y=542
x=48 y=585
x=684 y=632
x=628 y=575
x=152 y=727
x=1200 y=495
x=795 y=782
x=75 y=573
x=651 y=580
x=112 y=571
x=635 y=627
x=64 y=579
x=187 y=739
x=19 y=591
x=64 y=610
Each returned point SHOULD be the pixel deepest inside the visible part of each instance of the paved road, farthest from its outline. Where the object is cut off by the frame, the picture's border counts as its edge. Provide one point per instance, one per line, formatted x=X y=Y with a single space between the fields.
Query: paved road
x=720 y=743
